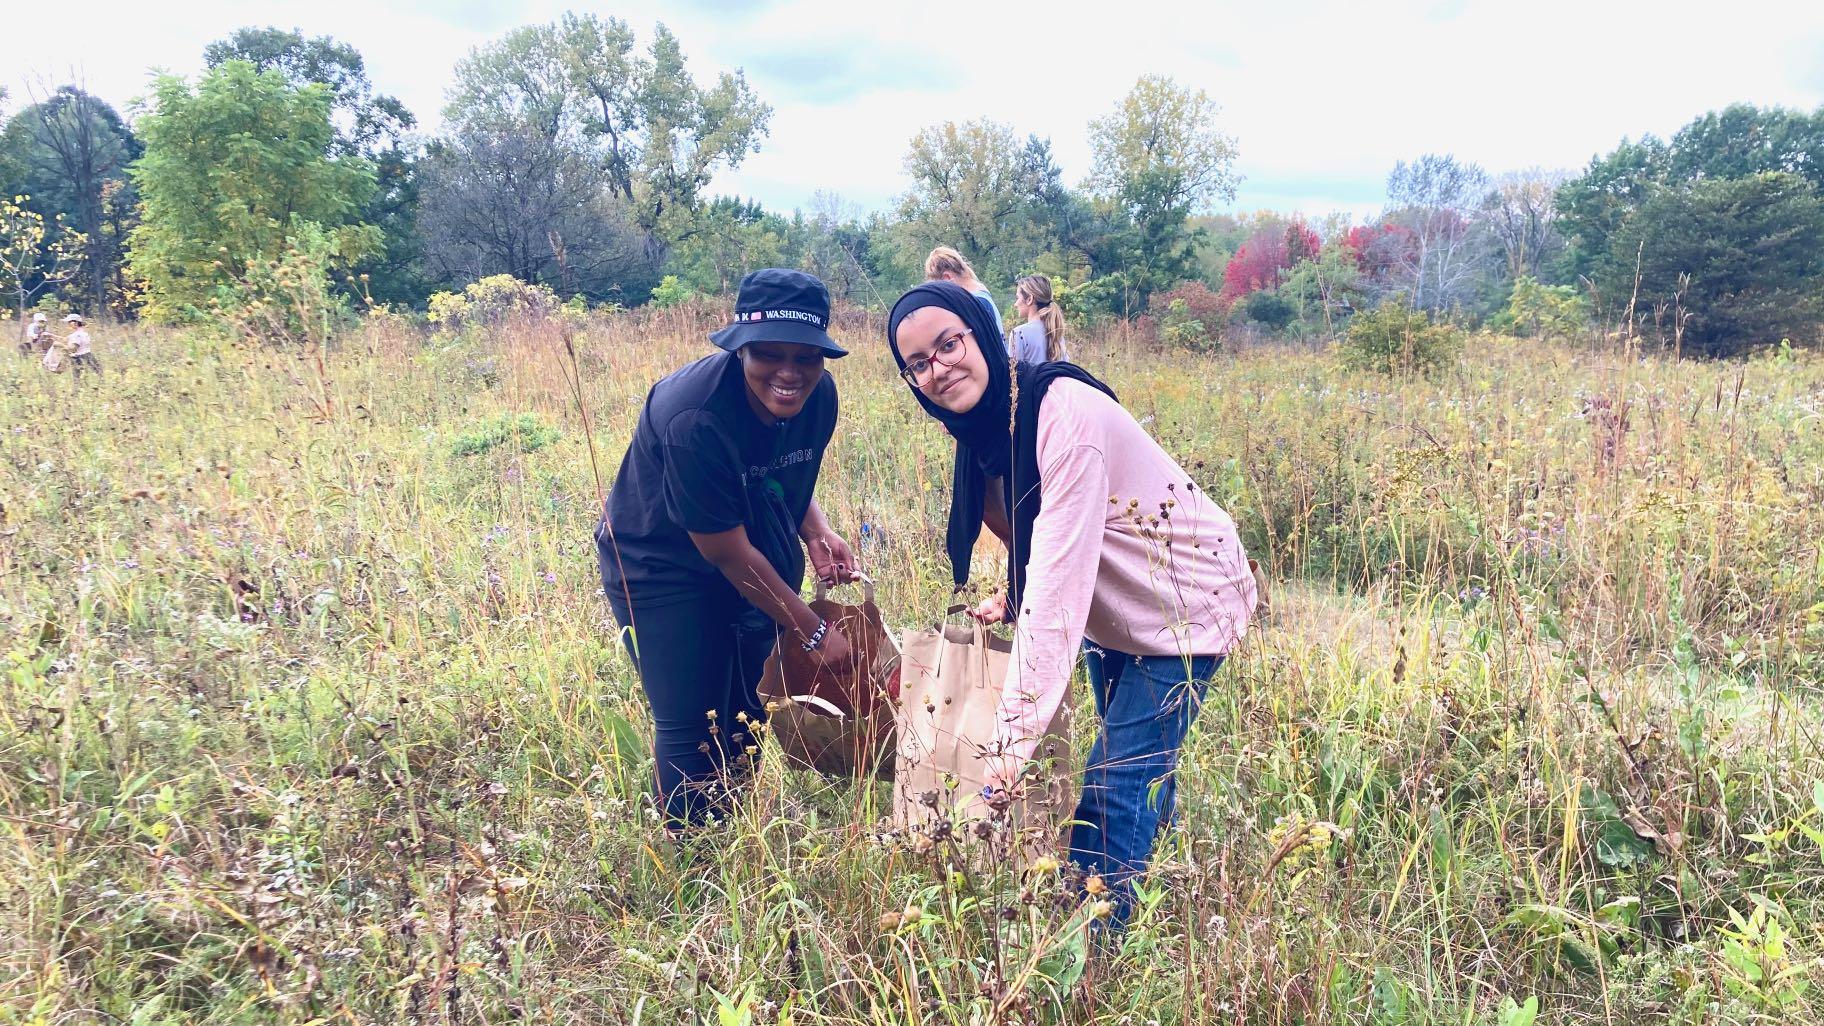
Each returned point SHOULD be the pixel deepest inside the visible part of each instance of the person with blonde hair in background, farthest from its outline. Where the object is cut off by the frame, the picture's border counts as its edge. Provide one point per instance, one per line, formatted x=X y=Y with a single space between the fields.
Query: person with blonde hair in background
x=946 y=264
x=1041 y=336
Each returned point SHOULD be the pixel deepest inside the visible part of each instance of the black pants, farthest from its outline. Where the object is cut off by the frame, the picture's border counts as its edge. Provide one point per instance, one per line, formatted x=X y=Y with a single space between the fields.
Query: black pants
x=82 y=360
x=699 y=662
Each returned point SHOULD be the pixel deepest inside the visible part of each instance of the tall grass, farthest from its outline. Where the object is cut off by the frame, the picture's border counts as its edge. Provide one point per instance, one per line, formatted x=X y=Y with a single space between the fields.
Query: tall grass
x=312 y=711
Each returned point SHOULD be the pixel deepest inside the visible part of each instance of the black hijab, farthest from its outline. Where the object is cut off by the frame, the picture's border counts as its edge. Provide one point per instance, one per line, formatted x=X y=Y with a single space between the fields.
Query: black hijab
x=997 y=438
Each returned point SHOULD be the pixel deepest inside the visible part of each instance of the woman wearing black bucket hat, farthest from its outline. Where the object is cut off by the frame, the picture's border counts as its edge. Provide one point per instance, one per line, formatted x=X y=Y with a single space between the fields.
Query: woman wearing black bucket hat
x=699 y=542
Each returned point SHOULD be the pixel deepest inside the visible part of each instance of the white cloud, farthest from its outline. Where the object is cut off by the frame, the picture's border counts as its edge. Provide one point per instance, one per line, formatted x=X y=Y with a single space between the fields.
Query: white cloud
x=1323 y=96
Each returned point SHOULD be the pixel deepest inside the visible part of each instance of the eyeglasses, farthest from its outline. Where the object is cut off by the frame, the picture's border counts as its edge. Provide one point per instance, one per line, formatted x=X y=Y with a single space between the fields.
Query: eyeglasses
x=947 y=353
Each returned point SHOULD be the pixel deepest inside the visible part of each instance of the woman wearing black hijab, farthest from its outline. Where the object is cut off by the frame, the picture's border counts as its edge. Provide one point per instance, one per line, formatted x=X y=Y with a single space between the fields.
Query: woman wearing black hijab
x=1111 y=549
x=699 y=542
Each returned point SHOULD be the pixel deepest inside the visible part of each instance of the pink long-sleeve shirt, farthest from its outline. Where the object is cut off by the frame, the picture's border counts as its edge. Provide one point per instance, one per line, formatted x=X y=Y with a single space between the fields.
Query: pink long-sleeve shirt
x=1126 y=552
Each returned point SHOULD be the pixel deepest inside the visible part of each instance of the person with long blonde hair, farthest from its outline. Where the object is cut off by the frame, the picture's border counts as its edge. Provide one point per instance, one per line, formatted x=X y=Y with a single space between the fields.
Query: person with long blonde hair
x=946 y=264
x=1040 y=337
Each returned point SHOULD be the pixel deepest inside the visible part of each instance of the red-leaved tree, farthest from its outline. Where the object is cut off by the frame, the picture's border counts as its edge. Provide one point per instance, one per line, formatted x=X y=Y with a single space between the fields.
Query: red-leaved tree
x=1256 y=265
x=1381 y=252
x=1302 y=244
x=1263 y=260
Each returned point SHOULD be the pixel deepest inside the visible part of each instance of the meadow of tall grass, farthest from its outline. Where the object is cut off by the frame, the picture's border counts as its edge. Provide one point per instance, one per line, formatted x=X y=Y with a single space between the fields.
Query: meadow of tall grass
x=312 y=712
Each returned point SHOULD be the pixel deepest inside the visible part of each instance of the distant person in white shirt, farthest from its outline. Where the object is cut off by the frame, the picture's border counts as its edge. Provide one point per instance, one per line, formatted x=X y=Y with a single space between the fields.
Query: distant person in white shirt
x=81 y=358
x=36 y=334
x=946 y=264
x=1040 y=338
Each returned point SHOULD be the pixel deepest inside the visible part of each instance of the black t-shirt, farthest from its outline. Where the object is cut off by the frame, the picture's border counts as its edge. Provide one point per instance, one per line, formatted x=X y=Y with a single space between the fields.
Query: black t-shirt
x=697 y=448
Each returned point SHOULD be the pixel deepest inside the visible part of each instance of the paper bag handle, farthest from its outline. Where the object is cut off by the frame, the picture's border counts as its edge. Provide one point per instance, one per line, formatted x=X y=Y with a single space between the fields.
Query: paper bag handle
x=978 y=640
x=822 y=590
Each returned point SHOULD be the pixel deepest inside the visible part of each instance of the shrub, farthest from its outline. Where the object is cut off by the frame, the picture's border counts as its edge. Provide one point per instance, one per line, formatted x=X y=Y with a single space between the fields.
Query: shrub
x=524 y=432
x=286 y=301
x=671 y=292
x=1544 y=311
x=1107 y=296
x=1270 y=310
x=1395 y=340
x=491 y=301
x=1189 y=316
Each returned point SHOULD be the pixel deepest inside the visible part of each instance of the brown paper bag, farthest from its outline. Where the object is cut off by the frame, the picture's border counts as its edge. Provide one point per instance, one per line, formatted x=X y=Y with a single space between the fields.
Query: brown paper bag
x=793 y=671
x=949 y=700
x=840 y=724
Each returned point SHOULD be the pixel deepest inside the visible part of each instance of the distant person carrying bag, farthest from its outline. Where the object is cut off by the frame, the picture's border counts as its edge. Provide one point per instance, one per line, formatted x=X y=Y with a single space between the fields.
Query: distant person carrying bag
x=1111 y=547
x=699 y=542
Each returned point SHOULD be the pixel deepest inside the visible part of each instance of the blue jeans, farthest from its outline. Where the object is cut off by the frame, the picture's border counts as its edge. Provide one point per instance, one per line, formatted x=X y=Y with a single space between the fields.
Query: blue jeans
x=1147 y=705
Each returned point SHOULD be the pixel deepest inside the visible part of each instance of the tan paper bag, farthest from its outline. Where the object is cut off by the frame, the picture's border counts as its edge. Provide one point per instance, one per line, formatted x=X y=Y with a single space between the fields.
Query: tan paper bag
x=840 y=724
x=949 y=700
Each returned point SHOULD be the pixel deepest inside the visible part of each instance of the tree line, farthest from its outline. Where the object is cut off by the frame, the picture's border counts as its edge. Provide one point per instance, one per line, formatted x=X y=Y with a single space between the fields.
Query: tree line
x=577 y=157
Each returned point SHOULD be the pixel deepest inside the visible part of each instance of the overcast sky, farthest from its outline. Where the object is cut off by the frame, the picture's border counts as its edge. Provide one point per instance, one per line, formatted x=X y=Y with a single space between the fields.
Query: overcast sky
x=1322 y=97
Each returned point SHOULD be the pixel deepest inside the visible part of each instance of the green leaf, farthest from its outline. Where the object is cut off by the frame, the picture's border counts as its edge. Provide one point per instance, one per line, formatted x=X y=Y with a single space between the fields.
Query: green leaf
x=1064 y=964
x=1511 y=1014
x=1613 y=841
x=1392 y=999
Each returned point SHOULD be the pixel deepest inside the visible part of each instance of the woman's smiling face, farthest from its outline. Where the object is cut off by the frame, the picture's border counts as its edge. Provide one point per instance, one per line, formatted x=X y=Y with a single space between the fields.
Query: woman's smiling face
x=925 y=334
x=781 y=375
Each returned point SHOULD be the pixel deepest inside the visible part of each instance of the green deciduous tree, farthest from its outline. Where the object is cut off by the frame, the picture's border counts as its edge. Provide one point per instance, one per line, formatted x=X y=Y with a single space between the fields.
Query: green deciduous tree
x=1158 y=158
x=1749 y=250
x=733 y=236
x=980 y=188
x=1324 y=290
x=1742 y=140
x=655 y=133
x=1593 y=206
x=367 y=124
x=232 y=169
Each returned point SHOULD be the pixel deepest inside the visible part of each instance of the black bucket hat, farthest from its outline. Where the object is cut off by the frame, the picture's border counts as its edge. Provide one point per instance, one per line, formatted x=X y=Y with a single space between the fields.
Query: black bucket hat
x=777 y=304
